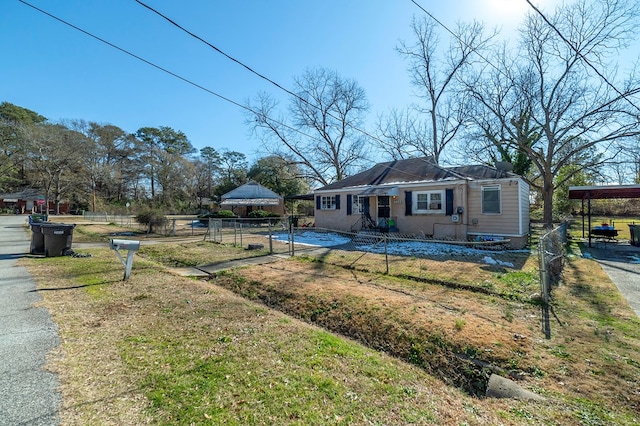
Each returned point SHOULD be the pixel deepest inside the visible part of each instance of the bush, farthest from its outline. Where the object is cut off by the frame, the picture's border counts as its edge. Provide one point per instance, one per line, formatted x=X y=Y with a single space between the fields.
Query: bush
x=260 y=214
x=224 y=213
x=151 y=218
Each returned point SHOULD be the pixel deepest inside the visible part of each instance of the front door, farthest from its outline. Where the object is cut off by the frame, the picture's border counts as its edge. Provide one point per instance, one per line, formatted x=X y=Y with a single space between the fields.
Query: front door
x=384 y=207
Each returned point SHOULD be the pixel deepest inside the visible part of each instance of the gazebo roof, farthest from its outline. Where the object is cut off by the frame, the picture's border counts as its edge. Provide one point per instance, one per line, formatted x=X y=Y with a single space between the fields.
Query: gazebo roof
x=251 y=194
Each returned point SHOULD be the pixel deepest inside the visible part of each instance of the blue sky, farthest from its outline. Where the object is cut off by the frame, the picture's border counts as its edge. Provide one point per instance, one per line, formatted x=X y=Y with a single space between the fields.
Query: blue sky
x=62 y=73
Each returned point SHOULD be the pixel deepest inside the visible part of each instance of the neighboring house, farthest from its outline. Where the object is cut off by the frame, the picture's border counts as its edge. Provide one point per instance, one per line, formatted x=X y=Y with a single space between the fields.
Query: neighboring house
x=29 y=201
x=418 y=197
x=252 y=196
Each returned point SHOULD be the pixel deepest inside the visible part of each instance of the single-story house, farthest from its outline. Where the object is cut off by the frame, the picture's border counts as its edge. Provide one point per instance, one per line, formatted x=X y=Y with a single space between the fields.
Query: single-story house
x=418 y=197
x=252 y=196
x=29 y=200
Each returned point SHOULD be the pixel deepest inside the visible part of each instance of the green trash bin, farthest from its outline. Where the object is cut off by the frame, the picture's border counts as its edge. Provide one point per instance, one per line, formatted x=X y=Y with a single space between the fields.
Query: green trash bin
x=634 y=230
x=37 y=239
x=57 y=238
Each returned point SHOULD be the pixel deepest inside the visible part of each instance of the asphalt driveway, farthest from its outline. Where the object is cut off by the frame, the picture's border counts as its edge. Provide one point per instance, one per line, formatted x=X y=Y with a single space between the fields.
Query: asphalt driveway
x=28 y=394
x=621 y=262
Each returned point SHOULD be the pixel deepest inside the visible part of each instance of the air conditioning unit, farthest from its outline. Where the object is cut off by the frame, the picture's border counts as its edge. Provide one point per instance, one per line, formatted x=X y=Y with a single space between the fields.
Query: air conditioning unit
x=455 y=218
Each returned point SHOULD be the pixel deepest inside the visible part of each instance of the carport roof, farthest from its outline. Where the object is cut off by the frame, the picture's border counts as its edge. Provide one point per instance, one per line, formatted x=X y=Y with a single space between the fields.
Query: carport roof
x=604 y=192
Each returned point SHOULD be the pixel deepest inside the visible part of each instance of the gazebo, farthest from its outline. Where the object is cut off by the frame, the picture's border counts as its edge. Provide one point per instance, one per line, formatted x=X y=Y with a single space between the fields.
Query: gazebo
x=252 y=196
x=589 y=193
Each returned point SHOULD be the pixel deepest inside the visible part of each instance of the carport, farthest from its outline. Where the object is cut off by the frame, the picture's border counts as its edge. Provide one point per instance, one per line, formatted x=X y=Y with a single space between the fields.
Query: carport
x=589 y=193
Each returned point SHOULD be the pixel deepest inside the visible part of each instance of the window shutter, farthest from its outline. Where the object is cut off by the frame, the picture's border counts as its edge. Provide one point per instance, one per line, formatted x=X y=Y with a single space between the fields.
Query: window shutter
x=449 y=202
x=367 y=205
x=338 y=202
x=318 y=203
x=407 y=203
x=349 y=204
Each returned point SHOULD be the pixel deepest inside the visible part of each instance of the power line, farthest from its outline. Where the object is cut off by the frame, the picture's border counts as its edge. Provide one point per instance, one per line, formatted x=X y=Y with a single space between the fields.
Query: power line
x=187 y=80
x=224 y=98
x=251 y=70
x=581 y=56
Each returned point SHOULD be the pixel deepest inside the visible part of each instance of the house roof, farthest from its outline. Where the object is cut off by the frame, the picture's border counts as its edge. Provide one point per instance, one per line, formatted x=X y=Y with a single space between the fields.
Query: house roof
x=414 y=170
x=251 y=194
x=25 y=194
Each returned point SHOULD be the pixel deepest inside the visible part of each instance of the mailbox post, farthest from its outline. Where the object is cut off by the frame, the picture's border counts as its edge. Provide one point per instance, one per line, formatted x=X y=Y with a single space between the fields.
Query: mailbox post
x=131 y=246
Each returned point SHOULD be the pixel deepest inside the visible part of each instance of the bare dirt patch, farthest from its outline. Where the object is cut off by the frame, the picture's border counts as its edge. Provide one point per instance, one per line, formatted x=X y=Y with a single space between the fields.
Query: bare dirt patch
x=418 y=322
x=592 y=356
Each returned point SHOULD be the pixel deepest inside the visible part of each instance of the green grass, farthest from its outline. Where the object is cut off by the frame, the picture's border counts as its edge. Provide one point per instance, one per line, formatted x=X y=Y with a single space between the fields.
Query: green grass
x=234 y=386
x=200 y=356
x=196 y=253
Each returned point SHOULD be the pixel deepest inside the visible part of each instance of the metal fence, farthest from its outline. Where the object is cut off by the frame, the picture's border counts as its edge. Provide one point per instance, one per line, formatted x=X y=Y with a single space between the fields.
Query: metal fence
x=551 y=255
x=490 y=267
x=551 y=251
x=118 y=219
x=483 y=266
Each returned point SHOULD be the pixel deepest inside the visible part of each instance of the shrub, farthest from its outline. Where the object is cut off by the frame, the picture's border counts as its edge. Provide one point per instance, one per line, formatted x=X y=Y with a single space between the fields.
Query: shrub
x=224 y=213
x=259 y=214
x=151 y=218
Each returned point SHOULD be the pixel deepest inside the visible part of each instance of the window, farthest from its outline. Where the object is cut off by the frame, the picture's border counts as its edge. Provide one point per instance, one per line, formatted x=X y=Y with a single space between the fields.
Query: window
x=491 y=199
x=358 y=204
x=328 y=202
x=428 y=201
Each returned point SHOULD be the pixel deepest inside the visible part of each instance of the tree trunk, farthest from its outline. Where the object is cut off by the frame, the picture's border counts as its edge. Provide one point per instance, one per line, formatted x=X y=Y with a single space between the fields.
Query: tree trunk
x=547 y=203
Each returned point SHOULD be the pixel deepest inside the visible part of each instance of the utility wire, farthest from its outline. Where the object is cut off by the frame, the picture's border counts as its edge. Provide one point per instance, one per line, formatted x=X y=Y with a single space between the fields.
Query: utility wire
x=193 y=83
x=457 y=37
x=251 y=70
x=581 y=56
x=224 y=98
x=604 y=78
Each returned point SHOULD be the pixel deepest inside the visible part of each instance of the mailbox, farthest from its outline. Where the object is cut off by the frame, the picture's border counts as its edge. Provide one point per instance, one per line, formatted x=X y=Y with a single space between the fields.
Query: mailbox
x=125 y=245
x=131 y=246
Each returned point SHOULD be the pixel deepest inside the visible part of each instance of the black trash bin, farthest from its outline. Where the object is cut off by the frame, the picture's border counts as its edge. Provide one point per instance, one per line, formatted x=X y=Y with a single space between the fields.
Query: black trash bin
x=634 y=230
x=57 y=238
x=37 y=239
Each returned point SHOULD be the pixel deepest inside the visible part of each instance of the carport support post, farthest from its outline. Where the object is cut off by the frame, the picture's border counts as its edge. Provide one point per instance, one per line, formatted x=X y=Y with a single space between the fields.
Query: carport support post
x=589 y=209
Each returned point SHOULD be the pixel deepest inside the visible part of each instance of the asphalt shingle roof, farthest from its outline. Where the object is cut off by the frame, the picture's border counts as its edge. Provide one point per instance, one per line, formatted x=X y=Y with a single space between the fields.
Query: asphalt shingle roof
x=415 y=170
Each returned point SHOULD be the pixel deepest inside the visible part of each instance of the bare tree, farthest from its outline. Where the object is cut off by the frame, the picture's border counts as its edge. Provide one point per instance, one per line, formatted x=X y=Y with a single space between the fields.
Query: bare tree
x=322 y=136
x=57 y=153
x=574 y=116
x=401 y=135
x=434 y=72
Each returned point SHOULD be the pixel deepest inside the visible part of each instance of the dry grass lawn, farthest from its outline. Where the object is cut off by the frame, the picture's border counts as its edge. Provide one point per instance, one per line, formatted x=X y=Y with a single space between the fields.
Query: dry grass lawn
x=162 y=349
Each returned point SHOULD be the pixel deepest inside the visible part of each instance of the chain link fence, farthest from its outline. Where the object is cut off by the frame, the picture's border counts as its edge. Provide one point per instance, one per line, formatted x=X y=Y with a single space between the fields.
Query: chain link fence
x=551 y=255
x=489 y=267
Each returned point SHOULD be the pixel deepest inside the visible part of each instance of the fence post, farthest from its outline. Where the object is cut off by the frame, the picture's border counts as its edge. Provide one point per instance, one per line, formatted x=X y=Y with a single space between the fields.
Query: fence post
x=386 y=254
x=293 y=244
x=270 y=239
x=173 y=228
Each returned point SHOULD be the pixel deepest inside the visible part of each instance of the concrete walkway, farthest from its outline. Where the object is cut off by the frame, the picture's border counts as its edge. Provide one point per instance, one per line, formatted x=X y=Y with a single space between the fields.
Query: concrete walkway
x=28 y=394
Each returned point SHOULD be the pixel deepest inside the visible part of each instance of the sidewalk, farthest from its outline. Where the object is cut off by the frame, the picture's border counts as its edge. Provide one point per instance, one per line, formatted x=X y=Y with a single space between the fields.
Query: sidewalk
x=28 y=394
